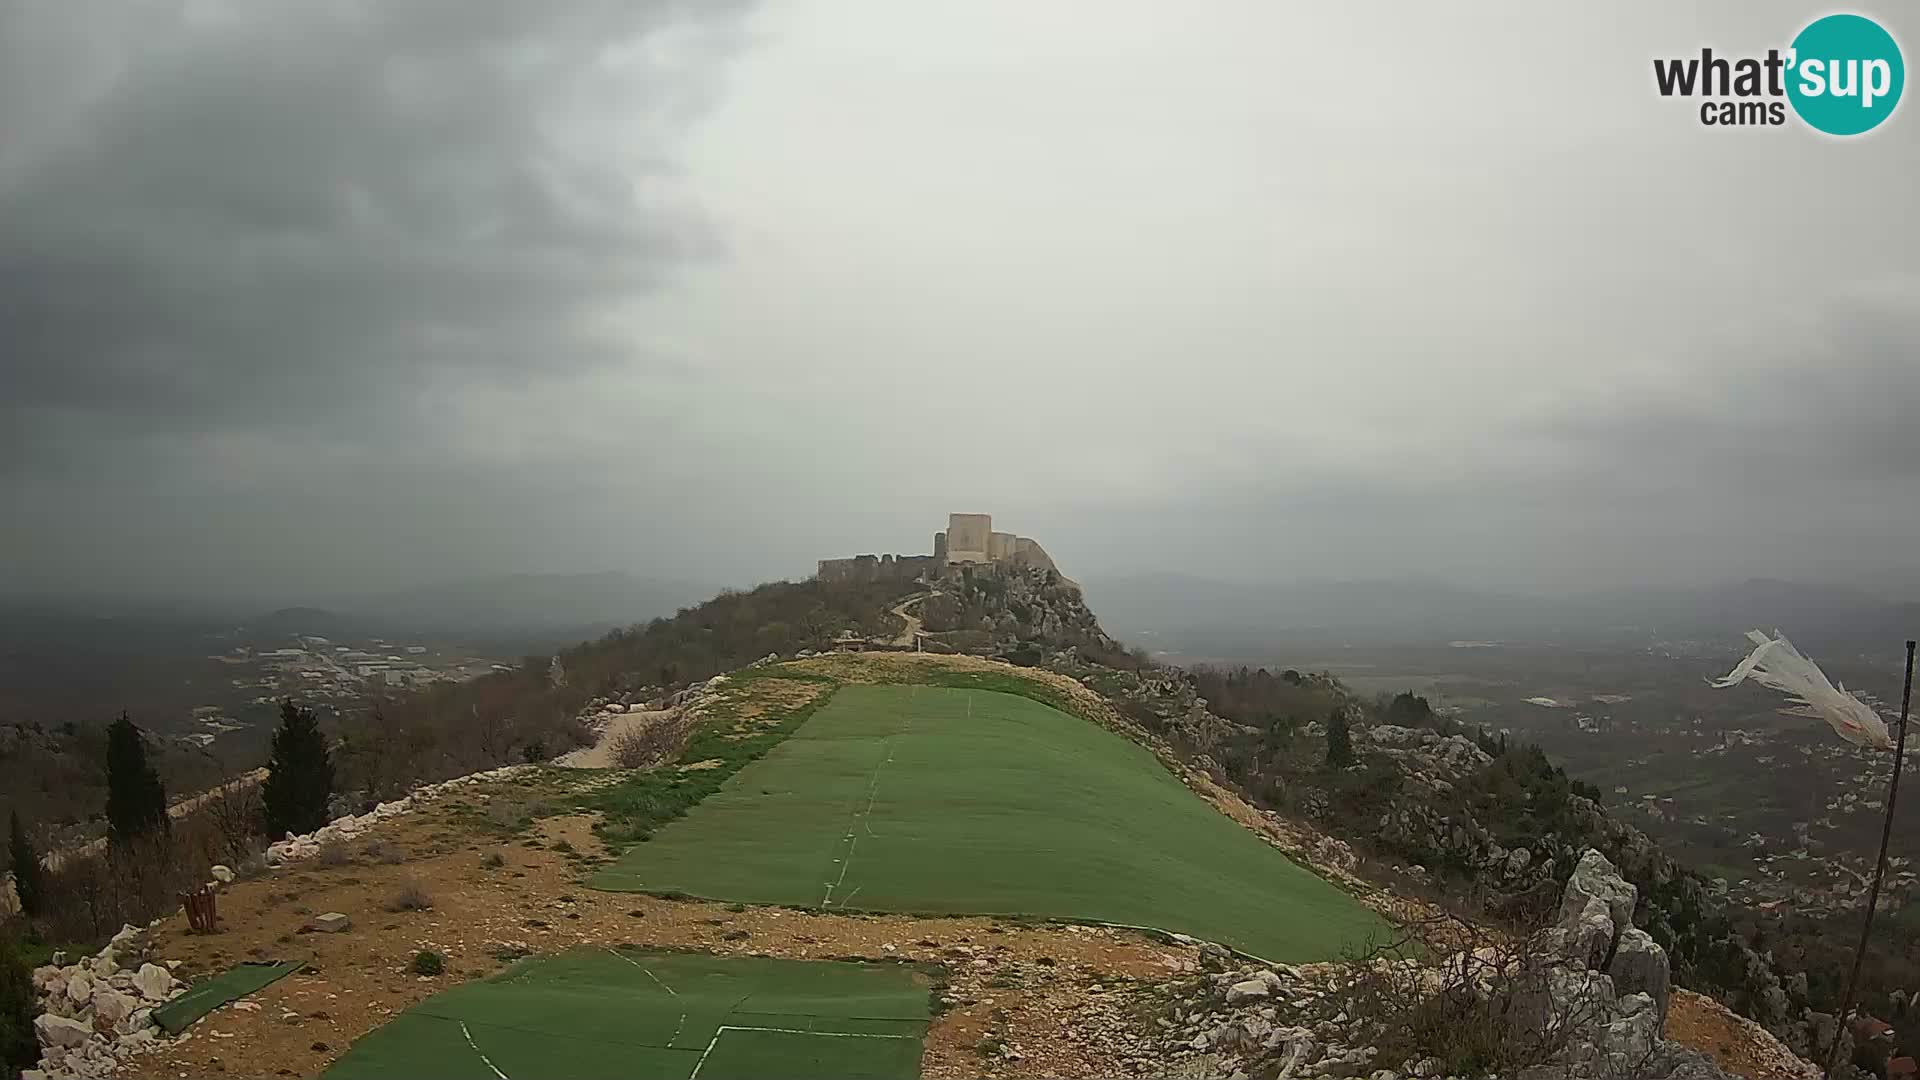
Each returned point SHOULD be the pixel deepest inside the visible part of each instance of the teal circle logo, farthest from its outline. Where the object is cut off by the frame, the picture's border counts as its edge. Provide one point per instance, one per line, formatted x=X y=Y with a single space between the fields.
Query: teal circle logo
x=1846 y=74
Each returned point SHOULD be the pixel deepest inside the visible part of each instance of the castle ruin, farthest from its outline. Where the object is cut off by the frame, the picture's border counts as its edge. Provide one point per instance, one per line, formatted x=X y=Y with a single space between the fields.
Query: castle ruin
x=968 y=540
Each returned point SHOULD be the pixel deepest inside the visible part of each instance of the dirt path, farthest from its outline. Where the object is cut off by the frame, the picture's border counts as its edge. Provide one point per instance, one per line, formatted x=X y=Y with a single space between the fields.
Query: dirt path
x=1023 y=1000
x=600 y=754
x=914 y=622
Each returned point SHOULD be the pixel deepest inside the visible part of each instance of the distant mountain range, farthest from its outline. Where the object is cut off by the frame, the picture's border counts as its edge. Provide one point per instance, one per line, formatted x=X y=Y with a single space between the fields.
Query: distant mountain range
x=1175 y=608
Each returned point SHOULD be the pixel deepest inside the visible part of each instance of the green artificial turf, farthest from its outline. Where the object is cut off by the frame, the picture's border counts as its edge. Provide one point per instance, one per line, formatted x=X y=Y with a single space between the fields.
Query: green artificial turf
x=638 y=1013
x=949 y=800
x=230 y=985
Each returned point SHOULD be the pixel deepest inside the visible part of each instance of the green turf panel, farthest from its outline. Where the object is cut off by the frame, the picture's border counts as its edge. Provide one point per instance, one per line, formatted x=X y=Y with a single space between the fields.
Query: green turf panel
x=419 y=1046
x=926 y=799
x=633 y=1012
x=230 y=985
x=756 y=1055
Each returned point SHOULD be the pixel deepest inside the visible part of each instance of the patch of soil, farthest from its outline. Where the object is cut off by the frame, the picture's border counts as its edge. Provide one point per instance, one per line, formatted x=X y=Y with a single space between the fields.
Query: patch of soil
x=1735 y=1043
x=1023 y=985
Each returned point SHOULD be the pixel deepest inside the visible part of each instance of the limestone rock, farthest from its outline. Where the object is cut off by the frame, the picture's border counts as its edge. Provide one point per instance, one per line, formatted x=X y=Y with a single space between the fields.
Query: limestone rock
x=222 y=874
x=154 y=982
x=79 y=987
x=1595 y=877
x=1247 y=990
x=110 y=1007
x=60 y=1031
x=1640 y=966
x=1589 y=933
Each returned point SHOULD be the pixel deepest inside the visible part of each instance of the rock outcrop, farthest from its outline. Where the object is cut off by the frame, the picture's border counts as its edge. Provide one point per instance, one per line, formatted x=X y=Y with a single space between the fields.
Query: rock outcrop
x=95 y=1014
x=1589 y=998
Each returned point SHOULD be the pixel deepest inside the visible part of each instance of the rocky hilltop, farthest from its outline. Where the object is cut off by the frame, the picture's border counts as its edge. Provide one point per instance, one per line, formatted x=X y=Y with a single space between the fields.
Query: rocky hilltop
x=1463 y=818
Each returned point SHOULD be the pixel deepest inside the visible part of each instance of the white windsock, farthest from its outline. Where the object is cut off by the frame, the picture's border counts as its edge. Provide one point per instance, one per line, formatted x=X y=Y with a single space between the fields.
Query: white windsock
x=1776 y=663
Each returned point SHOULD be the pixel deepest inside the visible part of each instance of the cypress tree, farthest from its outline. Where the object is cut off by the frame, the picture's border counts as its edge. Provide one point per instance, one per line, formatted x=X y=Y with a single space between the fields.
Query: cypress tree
x=19 y=1046
x=136 y=800
x=299 y=774
x=1339 y=740
x=26 y=866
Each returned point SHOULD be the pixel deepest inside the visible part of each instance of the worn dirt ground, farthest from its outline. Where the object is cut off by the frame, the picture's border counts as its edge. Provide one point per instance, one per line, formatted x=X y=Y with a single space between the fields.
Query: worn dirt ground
x=1735 y=1043
x=1015 y=988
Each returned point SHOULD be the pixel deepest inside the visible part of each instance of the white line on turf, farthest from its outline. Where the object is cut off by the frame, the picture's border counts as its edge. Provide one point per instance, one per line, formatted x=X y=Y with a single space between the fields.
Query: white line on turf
x=648 y=970
x=724 y=1028
x=484 y=1059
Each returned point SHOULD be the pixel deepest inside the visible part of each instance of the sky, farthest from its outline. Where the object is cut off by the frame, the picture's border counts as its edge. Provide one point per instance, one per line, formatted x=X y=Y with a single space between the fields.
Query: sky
x=304 y=299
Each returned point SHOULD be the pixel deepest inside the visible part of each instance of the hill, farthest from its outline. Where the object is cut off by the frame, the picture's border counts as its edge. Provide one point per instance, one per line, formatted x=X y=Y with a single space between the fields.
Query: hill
x=1100 y=769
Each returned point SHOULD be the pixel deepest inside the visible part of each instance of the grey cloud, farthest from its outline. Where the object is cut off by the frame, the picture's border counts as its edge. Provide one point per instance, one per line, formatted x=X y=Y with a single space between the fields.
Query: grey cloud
x=299 y=296
x=293 y=210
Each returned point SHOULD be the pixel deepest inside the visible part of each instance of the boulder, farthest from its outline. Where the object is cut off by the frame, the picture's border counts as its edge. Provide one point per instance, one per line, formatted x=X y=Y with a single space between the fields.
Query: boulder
x=1596 y=878
x=222 y=874
x=60 y=1031
x=111 y=1006
x=154 y=982
x=1589 y=934
x=137 y=1021
x=105 y=964
x=79 y=987
x=1640 y=967
x=1247 y=990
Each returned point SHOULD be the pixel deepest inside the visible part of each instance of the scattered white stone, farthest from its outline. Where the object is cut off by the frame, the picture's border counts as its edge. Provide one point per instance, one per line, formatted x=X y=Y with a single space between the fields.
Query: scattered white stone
x=112 y=1006
x=60 y=1031
x=222 y=874
x=154 y=982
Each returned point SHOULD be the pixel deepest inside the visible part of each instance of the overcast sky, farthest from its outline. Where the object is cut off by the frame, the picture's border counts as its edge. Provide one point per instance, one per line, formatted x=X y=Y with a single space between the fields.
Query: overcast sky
x=304 y=298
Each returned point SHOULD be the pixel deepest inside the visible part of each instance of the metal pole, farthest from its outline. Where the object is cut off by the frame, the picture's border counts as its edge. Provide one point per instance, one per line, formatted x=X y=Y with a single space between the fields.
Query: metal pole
x=1879 y=870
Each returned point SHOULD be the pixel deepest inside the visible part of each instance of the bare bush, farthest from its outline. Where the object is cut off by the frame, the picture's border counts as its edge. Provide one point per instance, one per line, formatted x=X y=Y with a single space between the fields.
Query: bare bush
x=643 y=746
x=334 y=853
x=236 y=817
x=1498 y=1005
x=92 y=894
x=384 y=851
x=412 y=896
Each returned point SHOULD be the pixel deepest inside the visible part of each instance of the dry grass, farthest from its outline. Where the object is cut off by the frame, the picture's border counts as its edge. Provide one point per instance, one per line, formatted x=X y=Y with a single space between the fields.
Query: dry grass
x=334 y=853
x=411 y=896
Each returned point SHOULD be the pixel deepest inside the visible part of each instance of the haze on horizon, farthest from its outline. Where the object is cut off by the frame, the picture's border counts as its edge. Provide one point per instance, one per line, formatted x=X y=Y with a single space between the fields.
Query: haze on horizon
x=303 y=300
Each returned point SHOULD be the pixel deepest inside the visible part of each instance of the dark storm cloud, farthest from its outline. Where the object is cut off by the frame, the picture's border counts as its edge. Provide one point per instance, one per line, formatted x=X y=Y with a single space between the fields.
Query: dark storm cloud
x=291 y=213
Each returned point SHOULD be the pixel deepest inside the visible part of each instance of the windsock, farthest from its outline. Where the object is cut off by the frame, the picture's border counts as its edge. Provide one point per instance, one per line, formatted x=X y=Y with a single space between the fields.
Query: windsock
x=1776 y=663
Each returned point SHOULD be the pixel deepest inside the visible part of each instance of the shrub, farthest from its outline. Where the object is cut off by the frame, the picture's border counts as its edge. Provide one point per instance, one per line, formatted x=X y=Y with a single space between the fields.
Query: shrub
x=428 y=962
x=19 y=1047
x=1339 y=739
x=1485 y=1009
x=333 y=853
x=26 y=866
x=493 y=860
x=412 y=896
x=644 y=746
x=385 y=852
